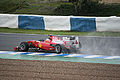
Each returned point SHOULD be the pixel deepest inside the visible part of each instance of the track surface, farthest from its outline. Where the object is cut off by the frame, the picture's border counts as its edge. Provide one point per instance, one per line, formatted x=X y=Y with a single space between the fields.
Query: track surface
x=55 y=70
x=59 y=70
x=90 y=45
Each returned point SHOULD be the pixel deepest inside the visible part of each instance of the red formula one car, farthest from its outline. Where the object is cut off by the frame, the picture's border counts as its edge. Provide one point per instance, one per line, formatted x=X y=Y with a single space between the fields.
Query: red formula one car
x=52 y=44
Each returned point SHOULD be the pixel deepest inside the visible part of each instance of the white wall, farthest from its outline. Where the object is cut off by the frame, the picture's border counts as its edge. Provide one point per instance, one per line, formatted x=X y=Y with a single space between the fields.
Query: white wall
x=108 y=24
x=63 y=22
x=9 y=20
x=57 y=22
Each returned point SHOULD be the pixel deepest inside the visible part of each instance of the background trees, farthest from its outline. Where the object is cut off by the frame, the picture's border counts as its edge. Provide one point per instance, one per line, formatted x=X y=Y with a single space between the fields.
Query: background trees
x=7 y=6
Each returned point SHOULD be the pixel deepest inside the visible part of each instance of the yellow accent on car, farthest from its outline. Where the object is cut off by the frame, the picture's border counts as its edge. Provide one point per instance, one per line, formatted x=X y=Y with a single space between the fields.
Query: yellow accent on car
x=40 y=45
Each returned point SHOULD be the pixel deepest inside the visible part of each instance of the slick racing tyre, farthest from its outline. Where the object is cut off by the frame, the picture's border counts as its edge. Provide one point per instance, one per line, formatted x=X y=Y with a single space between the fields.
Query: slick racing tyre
x=23 y=46
x=58 y=48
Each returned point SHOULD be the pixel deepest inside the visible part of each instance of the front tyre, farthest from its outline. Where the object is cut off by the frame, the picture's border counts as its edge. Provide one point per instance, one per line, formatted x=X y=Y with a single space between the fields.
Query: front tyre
x=23 y=46
x=58 y=48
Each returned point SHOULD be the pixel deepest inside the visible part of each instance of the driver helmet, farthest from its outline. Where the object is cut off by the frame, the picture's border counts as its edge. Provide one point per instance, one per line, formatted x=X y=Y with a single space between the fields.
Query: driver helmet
x=50 y=37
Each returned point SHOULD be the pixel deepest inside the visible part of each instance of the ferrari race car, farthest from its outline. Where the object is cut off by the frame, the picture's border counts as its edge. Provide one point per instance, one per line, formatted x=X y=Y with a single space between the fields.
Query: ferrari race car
x=52 y=44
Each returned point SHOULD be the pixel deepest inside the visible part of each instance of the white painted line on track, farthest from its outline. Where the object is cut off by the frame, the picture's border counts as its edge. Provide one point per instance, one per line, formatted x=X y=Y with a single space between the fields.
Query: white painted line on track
x=92 y=56
x=10 y=52
x=16 y=53
x=35 y=53
x=112 y=57
x=13 y=53
x=51 y=55
x=64 y=55
x=72 y=55
x=4 y=51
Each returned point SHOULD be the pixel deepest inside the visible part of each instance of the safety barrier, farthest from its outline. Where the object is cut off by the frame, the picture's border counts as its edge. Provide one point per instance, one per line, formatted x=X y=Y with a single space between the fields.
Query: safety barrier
x=30 y=22
x=82 y=24
x=9 y=20
x=69 y=23
x=108 y=24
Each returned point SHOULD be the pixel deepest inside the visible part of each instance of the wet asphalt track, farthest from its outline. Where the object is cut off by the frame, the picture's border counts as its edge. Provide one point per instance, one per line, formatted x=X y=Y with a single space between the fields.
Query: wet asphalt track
x=59 y=70
x=90 y=45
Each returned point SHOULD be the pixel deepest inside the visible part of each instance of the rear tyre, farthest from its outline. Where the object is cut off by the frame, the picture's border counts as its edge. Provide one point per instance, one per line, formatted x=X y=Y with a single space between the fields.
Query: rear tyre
x=23 y=46
x=58 y=48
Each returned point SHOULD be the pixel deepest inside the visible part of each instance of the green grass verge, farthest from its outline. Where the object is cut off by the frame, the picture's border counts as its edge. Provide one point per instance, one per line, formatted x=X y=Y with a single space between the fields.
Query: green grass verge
x=28 y=31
